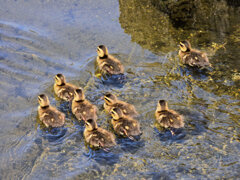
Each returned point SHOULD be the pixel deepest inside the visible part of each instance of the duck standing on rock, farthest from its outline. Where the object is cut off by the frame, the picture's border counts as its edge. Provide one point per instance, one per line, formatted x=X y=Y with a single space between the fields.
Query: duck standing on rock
x=48 y=114
x=168 y=118
x=82 y=108
x=111 y=101
x=192 y=57
x=62 y=89
x=108 y=64
x=98 y=137
x=124 y=125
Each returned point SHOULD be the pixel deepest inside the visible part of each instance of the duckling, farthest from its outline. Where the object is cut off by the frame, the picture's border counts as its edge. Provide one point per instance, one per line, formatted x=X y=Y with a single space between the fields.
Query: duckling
x=82 y=108
x=192 y=57
x=48 y=114
x=112 y=101
x=96 y=136
x=168 y=118
x=62 y=89
x=107 y=63
x=123 y=125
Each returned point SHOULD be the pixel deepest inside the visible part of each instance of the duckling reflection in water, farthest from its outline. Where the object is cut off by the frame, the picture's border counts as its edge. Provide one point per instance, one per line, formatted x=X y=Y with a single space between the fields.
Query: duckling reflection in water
x=168 y=118
x=124 y=125
x=82 y=108
x=192 y=57
x=62 y=89
x=108 y=64
x=48 y=114
x=111 y=101
x=98 y=137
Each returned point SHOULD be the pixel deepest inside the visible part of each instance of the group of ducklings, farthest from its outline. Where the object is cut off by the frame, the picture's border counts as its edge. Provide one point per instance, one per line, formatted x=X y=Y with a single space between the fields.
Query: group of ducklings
x=123 y=114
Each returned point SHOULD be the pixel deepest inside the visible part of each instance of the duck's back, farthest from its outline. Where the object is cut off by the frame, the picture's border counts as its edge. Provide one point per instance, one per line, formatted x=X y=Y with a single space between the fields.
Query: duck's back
x=100 y=138
x=51 y=117
x=195 y=58
x=131 y=126
x=169 y=118
x=84 y=110
x=65 y=92
x=110 y=65
x=127 y=109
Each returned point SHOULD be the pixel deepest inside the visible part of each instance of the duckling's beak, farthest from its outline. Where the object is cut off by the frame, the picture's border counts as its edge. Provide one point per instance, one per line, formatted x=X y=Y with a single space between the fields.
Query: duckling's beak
x=102 y=97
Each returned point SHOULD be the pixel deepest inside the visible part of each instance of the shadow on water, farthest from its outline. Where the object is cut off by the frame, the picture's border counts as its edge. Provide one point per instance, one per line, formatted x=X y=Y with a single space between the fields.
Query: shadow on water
x=114 y=80
x=128 y=145
x=108 y=157
x=196 y=73
x=54 y=135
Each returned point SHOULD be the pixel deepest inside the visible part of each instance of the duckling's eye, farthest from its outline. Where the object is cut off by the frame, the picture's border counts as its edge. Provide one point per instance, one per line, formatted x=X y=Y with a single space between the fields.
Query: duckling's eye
x=106 y=99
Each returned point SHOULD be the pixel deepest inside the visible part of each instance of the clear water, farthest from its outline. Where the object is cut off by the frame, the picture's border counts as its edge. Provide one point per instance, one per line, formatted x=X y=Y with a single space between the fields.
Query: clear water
x=39 y=39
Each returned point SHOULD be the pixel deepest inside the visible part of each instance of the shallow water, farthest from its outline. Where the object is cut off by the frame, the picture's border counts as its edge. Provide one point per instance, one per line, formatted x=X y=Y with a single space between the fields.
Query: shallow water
x=42 y=38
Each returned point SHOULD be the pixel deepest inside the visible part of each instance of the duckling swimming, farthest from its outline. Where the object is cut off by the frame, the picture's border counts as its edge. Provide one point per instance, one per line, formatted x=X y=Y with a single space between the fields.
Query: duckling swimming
x=111 y=101
x=107 y=63
x=48 y=114
x=82 y=108
x=192 y=57
x=96 y=136
x=62 y=89
x=123 y=125
x=168 y=118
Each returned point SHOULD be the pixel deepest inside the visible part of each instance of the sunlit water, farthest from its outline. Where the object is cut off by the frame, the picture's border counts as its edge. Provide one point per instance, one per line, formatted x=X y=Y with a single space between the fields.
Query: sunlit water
x=39 y=39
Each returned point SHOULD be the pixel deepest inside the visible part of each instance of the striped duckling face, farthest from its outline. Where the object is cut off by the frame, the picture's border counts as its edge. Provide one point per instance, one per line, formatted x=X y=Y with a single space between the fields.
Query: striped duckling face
x=102 y=51
x=116 y=113
x=91 y=125
x=110 y=99
x=185 y=46
x=60 y=79
x=43 y=100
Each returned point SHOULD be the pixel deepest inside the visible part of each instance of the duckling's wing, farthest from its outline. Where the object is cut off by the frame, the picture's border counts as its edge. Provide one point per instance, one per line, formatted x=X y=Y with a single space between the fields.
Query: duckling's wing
x=85 y=111
x=102 y=138
x=66 y=93
x=129 y=127
x=112 y=66
x=53 y=118
x=196 y=59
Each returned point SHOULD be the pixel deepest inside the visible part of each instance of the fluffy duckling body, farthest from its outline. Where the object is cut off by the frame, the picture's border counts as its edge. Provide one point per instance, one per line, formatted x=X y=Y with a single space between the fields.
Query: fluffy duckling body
x=111 y=102
x=96 y=136
x=49 y=115
x=168 y=118
x=192 y=57
x=107 y=63
x=62 y=89
x=123 y=125
x=82 y=108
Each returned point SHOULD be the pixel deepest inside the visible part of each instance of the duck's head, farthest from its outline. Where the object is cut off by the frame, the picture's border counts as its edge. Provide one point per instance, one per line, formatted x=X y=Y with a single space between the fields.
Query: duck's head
x=117 y=113
x=162 y=105
x=91 y=124
x=60 y=79
x=110 y=98
x=79 y=95
x=185 y=46
x=102 y=51
x=43 y=100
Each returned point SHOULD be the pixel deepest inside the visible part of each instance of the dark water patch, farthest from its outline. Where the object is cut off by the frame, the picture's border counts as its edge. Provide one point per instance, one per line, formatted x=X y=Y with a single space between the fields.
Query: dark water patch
x=104 y=157
x=128 y=145
x=114 y=80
